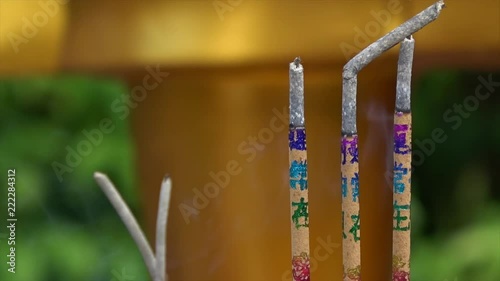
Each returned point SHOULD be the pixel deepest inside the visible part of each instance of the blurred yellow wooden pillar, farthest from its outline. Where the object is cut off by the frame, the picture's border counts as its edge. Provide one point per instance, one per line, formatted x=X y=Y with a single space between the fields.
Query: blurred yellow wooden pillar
x=243 y=233
x=31 y=36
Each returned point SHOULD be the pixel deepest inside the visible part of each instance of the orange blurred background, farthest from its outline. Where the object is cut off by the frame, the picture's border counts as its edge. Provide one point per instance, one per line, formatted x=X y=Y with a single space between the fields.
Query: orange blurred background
x=227 y=64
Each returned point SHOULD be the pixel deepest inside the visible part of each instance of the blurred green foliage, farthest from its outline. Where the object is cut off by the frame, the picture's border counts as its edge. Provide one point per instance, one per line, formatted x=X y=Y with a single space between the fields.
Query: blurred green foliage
x=456 y=188
x=66 y=229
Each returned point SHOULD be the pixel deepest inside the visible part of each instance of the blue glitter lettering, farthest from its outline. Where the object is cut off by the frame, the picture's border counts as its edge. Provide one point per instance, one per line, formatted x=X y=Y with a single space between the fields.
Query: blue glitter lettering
x=344 y=187
x=298 y=175
x=355 y=187
x=399 y=172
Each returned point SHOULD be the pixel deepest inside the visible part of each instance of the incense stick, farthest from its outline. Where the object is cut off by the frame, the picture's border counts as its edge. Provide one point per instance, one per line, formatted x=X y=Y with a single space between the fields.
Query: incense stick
x=351 y=242
x=402 y=165
x=155 y=265
x=299 y=198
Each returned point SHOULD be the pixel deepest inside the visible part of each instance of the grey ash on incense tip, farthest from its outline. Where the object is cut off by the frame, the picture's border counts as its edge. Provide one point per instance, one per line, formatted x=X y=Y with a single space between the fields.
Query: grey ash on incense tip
x=403 y=86
x=296 y=93
x=374 y=50
x=166 y=177
x=297 y=61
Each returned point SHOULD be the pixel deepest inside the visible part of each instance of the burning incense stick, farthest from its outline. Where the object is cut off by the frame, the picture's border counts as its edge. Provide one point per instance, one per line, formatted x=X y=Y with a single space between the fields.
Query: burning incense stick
x=351 y=248
x=374 y=50
x=299 y=198
x=402 y=165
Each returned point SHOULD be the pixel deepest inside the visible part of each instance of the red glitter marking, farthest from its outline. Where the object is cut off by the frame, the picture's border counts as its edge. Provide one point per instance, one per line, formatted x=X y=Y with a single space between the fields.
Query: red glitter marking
x=301 y=268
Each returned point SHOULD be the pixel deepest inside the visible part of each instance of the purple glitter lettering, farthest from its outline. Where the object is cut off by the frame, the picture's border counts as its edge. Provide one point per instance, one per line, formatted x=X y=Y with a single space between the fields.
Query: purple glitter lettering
x=400 y=145
x=297 y=139
x=350 y=147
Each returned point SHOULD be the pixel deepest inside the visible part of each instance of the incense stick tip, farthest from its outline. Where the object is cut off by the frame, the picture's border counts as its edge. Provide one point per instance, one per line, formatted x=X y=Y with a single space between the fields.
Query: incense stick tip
x=99 y=175
x=297 y=61
x=166 y=178
x=296 y=93
x=440 y=5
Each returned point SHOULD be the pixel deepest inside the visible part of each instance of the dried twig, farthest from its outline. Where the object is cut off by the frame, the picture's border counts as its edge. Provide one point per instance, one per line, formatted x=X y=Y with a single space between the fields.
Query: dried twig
x=161 y=228
x=156 y=266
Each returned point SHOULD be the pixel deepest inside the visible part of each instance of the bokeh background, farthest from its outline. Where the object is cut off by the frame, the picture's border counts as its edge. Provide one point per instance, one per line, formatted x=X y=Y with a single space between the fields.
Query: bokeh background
x=221 y=78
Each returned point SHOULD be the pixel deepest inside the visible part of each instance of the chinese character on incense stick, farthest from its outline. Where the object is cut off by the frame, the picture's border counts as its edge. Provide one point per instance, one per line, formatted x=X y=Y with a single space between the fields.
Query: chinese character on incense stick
x=299 y=199
x=402 y=165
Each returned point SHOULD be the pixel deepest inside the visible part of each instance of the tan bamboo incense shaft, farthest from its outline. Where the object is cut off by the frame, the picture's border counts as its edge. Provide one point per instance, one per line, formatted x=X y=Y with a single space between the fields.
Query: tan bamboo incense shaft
x=401 y=197
x=401 y=235
x=299 y=199
x=351 y=244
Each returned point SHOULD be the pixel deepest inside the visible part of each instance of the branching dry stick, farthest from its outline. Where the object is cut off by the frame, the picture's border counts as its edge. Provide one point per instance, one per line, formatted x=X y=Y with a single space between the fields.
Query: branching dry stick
x=161 y=228
x=156 y=266
x=128 y=219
